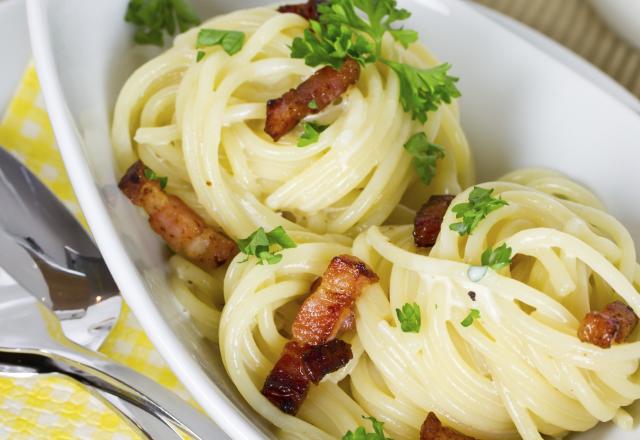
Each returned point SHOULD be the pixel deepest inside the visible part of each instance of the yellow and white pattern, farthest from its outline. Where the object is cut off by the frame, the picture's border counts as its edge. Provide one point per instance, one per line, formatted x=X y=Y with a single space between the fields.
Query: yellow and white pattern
x=54 y=407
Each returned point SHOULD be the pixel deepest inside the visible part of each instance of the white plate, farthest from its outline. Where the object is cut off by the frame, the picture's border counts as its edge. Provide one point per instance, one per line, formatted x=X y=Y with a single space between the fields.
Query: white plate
x=14 y=48
x=520 y=108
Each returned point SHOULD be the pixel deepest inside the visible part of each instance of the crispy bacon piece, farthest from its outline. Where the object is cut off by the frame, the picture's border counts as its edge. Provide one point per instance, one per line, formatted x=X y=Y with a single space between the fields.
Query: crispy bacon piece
x=324 y=86
x=308 y=10
x=181 y=227
x=432 y=429
x=314 y=352
x=288 y=383
x=613 y=324
x=429 y=220
x=330 y=306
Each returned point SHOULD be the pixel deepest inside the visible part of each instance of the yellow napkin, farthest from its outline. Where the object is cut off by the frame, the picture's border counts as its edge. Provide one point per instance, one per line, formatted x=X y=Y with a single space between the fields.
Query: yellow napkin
x=54 y=407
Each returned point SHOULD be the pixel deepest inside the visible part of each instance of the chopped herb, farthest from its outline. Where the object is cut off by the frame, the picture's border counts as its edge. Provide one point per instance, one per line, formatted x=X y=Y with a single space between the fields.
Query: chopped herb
x=423 y=90
x=330 y=45
x=361 y=434
x=313 y=105
x=151 y=175
x=409 y=318
x=199 y=56
x=475 y=210
x=231 y=41
x=266 y=245
x=311 y=133
x=355 y=29
x=153 y=18
x=425 y=154
x=473 y=315
x=497 y=258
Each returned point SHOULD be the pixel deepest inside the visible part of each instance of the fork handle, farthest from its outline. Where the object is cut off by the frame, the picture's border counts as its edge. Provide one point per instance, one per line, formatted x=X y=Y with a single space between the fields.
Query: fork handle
x=100 y=372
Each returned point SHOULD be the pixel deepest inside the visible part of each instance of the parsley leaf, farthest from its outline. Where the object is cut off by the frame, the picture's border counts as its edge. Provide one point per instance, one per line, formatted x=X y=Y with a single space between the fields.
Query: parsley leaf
x=151 y=175
x=153 y=18
x=330 y=45
x=381 y=14
x=199 y=56
x=409 y=318
x=473 y=315
x=424 y=155
x=423 y=90
x=480 y=203
x=361 y=434
x=231 y=41
x=311 y=133
x=313 y=105
x=497 y=258
x=266 y=245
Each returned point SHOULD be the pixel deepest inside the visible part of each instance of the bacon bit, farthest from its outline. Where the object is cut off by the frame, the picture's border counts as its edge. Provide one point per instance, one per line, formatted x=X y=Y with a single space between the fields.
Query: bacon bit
x=324 y=86
x=611 y=325
x=288 y=382
x=308 y=10
x=181 y=227
x=429 y=220
x=330 y=305
x=432 y=429
x=314 y=352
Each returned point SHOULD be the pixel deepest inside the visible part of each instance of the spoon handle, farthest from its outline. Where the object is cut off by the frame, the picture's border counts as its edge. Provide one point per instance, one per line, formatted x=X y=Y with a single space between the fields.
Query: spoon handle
x=99 y=372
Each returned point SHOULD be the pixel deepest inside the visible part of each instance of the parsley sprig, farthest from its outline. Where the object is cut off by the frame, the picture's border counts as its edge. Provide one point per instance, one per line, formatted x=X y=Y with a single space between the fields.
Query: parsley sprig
x=361 y=434
x=356 y=28
x=151 y=175
x=497 y=258
x=153 y=18
x=266 y=245
x=409 y=318
x=425 y=154
x=311 y=133
x=472 y=316
x=480 y=204
x=231 y=41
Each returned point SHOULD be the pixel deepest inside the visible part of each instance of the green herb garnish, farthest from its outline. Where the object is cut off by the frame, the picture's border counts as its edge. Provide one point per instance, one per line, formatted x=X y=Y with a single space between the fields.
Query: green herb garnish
x=313 y=105
x=480 y=203
x=409 y=318
x=361 y=434
x=473 y=315
x=153 y=18
x=425 y=154
x=151 y=175
x=497 y=258
x=311 y=133
x=199 y=56
x=355 y=29
x=231 y=41
x=266 y=245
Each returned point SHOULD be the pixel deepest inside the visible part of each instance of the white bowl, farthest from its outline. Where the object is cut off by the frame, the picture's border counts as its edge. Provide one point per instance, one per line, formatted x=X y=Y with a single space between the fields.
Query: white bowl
x=623 y=16
x=520 y=109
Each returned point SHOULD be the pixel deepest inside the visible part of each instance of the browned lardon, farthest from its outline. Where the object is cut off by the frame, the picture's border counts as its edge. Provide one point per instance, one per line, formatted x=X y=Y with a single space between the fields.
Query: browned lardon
x=429 y=220
x=314 y=352
x=288 y=382
x=308 y=10
x=612 y=325
x=432 y=429
x=181 y=227
x=323 y=87
x=330 y=306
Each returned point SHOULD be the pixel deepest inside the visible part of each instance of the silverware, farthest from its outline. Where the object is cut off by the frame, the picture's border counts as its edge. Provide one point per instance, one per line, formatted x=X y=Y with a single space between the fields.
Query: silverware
x=51 y=255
